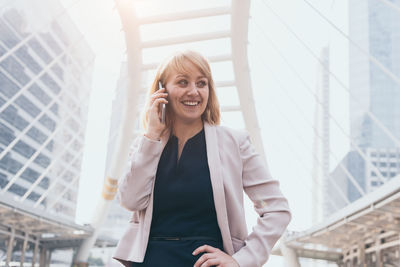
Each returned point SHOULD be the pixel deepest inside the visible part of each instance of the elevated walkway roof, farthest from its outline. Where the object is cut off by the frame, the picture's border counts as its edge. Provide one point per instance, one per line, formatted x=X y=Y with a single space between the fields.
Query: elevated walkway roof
x=50 y=230
x=375 y=213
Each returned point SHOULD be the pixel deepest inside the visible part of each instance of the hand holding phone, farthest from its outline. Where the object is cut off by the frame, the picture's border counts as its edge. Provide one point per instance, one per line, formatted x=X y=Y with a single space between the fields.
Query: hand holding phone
x=163 y=107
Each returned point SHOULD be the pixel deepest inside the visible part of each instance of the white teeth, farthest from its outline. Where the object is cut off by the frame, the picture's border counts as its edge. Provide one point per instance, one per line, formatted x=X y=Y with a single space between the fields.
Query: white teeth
x=189 y=103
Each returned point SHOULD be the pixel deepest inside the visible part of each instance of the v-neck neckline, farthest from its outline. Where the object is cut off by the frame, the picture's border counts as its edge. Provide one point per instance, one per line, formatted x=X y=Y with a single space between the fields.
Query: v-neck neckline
x=178 y=159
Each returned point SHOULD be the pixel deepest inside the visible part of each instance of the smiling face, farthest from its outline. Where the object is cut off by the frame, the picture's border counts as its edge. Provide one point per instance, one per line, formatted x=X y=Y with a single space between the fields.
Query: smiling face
x=187 y=94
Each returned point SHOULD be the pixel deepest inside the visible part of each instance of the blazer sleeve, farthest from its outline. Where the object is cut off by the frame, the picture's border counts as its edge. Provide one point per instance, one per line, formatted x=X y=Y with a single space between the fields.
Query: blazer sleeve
x=135 y=187
x=271 y=206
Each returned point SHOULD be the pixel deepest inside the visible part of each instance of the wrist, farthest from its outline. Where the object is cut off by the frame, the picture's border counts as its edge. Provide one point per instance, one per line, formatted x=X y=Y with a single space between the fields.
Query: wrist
x=152 y=136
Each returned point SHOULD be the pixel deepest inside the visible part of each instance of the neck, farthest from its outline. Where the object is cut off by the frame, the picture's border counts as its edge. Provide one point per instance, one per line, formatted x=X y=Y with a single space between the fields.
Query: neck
x=183 y=131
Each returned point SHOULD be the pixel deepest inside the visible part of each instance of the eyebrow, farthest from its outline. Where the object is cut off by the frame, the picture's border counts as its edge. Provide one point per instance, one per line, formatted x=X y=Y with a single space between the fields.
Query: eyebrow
x=187 y=76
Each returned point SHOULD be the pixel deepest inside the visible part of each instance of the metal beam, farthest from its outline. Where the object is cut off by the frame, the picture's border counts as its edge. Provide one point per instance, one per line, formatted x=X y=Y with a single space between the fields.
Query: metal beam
x=211 y=59
x=201 y=13
x=186 y=39
x=239 y=25
x=224 y=84
x=230 y=108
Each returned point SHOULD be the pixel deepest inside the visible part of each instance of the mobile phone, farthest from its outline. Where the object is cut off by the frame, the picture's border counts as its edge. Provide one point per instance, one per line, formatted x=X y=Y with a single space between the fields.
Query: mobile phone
x=163 y=107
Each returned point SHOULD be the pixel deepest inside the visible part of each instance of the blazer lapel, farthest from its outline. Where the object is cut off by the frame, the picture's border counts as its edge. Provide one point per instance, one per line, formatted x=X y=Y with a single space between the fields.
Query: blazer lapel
x=214 y=164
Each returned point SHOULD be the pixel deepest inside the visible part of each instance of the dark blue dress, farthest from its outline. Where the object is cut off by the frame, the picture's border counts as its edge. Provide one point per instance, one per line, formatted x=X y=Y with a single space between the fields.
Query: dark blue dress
x=183 y=206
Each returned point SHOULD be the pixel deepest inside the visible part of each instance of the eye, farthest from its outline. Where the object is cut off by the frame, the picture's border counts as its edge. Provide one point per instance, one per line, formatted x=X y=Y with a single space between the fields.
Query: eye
x=202 y=83
x=183 y=83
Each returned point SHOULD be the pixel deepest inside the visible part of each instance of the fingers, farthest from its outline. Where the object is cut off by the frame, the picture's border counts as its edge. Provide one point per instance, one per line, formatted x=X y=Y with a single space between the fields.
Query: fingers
x=207 y=259
x=160 y=101
x=162 y=90
x=156 y=96
x=211 y=262
x=205 y=248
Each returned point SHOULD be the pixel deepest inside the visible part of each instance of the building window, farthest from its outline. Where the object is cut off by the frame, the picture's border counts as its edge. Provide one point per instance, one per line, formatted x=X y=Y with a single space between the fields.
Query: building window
x=68 y=176
x=23 y=54
x=8 y=38
x=67 y=157
x=10 y=115
x=37 y=135
x=30 y=175
x=36 y=91
x=17 y=189
x=42 y=160
x=76 y=145
x=3 y=180
x=44 y=183
x=27 y=105
x=15 y=69
x=2 y=51
x=376 y=183
x=9 y=164
x=73 y=125
x=50 y=83
x=24 y=149
x=54 y=109
x=50 y=146
x=51 y=42
x=58 y=71
x=7 y=87
x=77 y=164
x=39 y=50
x=33 y=196
x=47 y=122
x=6 y=135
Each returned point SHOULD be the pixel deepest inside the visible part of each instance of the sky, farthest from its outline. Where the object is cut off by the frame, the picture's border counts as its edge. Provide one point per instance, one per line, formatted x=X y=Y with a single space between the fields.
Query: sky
x=285 y=108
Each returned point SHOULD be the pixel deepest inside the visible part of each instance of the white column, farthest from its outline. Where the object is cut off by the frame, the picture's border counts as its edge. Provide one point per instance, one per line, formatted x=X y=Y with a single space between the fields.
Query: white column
x=289 y=255
x=23 y=250
x=42 y=257
x=10 y=247
x=35 y=252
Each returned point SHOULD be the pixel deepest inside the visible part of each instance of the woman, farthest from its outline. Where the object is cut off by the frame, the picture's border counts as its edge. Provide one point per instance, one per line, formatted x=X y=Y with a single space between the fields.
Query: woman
x=186 y=181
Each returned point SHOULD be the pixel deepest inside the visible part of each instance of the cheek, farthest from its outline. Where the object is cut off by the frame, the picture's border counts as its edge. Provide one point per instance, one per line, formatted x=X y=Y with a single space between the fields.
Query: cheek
x=206 y=97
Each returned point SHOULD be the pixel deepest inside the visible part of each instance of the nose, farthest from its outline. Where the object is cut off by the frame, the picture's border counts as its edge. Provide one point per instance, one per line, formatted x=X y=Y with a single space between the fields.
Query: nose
x=192 y=89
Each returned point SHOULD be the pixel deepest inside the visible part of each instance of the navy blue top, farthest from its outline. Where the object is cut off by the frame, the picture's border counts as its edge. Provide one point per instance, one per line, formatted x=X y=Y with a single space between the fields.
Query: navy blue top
x=183 y=205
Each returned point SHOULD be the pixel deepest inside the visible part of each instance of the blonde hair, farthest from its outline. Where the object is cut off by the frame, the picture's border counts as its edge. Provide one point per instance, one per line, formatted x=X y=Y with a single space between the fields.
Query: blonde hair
x=179 y=62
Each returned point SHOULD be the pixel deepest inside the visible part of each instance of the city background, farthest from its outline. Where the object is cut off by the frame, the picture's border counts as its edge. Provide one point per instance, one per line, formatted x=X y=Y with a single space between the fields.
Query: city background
x=316 y=84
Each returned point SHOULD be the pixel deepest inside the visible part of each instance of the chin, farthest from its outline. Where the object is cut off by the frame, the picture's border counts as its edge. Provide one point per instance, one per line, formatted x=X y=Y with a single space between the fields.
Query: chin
x=190 y=119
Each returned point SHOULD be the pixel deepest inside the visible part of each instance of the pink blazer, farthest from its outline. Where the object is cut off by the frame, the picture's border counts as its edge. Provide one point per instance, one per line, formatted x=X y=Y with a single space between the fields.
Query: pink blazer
x=234 y=167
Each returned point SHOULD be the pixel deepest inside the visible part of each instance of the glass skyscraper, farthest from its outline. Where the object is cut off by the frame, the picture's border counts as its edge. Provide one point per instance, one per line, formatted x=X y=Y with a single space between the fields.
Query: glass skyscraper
x=375 y=27
x=45 y=81
x=374 y=158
